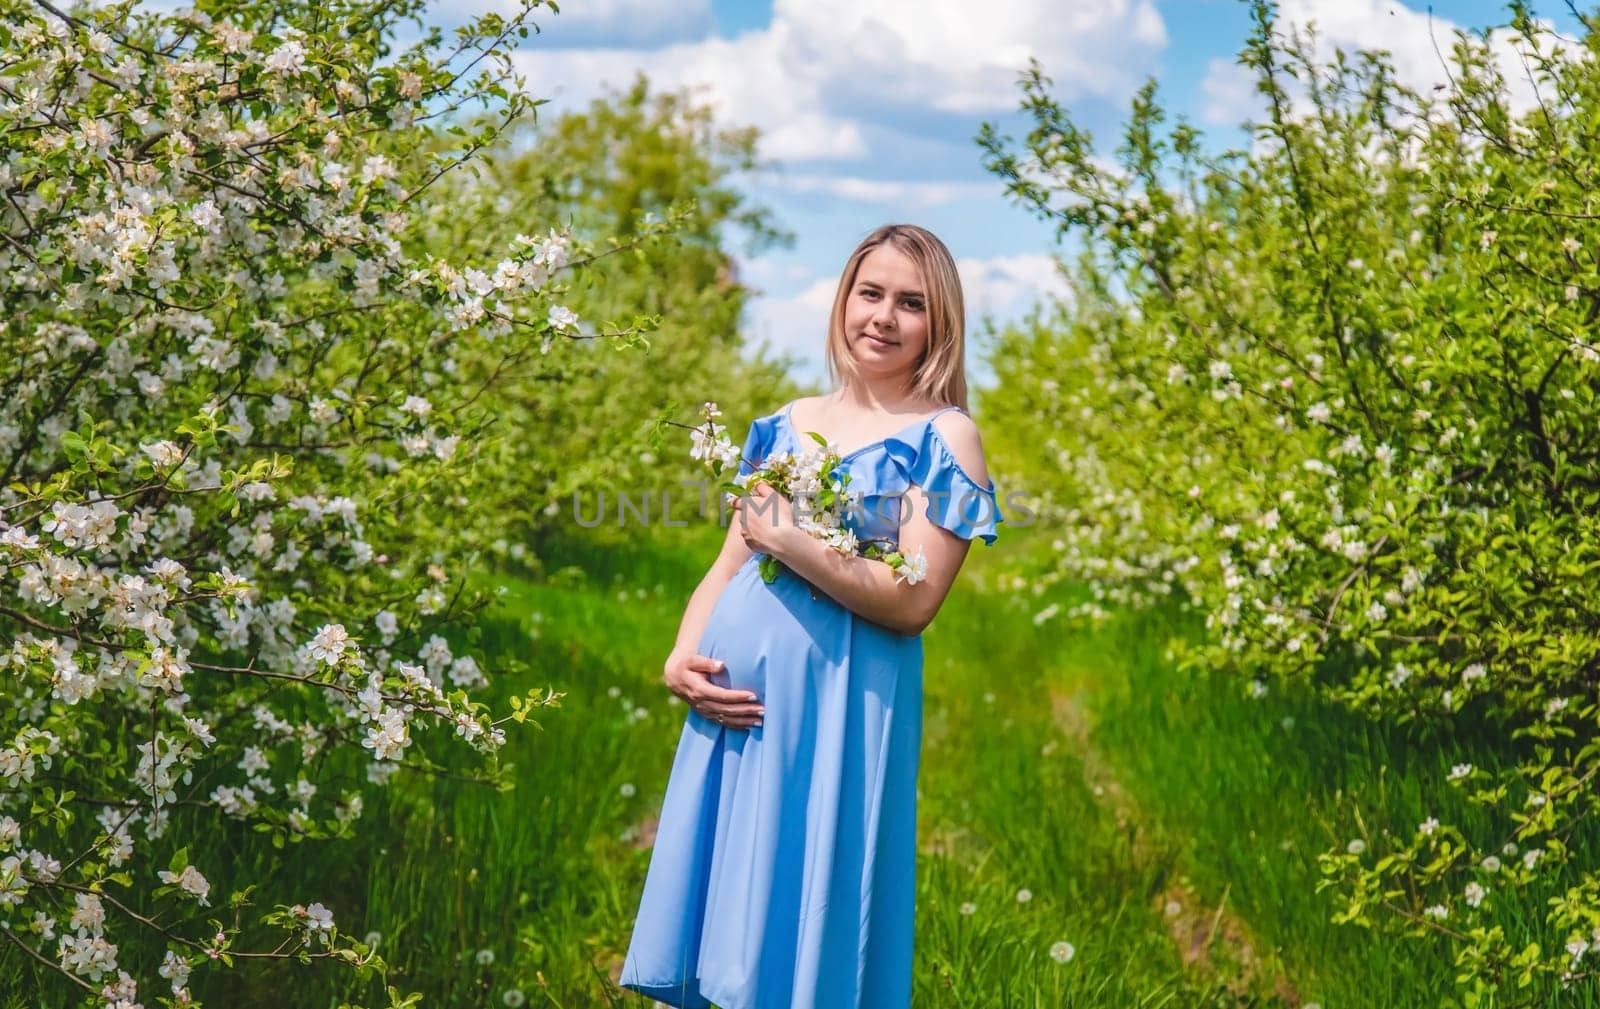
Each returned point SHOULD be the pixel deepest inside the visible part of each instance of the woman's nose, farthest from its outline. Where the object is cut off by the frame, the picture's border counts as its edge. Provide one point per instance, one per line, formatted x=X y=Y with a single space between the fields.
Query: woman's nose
x=885 y=313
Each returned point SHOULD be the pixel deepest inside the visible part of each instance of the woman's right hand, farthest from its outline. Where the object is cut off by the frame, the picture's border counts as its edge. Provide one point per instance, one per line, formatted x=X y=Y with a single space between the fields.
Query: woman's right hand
x=688 y=676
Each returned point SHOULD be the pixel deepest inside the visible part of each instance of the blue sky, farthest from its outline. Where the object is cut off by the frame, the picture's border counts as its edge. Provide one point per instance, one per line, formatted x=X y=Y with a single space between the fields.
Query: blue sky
x=869 y=109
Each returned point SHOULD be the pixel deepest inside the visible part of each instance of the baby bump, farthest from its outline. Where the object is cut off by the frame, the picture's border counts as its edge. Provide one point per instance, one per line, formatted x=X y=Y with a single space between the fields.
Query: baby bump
x=758 y=628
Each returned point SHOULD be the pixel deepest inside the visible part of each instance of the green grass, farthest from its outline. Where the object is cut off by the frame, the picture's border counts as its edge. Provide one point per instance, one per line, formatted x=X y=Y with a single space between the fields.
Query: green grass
x=1006 y=806
x=1244 y=793
x=1161 y=822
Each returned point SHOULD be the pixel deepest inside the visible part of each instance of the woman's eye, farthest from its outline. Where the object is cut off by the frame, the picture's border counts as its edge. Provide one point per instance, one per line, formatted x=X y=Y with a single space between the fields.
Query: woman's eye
x=915 y=306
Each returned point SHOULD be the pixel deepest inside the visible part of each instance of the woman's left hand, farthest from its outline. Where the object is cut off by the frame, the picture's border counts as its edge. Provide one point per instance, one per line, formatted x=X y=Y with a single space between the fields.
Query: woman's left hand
x=766 y=519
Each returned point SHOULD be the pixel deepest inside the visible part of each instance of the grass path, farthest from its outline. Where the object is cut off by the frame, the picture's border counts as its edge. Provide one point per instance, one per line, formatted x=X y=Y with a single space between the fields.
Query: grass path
x=1164 y=826
x=1013 y=778
x=475 y=893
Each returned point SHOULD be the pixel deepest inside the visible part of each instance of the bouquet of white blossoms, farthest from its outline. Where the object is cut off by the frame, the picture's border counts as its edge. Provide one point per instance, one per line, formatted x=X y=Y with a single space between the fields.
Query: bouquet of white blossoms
x=813 y=483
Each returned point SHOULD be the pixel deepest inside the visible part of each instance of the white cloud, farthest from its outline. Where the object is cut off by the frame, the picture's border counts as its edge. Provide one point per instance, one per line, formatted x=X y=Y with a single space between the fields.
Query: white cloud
x=1007 y=287
x=746 y=78
x=944 y=54
x=822 y=69
x=1419 y=45
x=1229 y=92
x=897 y=192
x=764 y=273
x=796 y=325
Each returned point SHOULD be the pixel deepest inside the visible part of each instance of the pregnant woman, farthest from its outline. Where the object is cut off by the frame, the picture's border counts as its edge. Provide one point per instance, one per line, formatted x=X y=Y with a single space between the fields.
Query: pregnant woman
x=783 y=875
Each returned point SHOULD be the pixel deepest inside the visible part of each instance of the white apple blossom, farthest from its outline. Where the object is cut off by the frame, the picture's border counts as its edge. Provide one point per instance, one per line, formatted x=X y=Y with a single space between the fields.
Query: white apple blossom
x=193 y=272
x=288 y=58
x=89 y=914
x=329 y=644
x=319 y=922
x=174 y=967
x=416 y=405
x=562 y=318
x=389 y=735
x=91 y=956
x=189 y=881
x=914 y=569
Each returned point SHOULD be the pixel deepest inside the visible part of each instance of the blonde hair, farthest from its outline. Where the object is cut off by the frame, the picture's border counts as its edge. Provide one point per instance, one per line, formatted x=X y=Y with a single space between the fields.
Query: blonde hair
x=941 y=372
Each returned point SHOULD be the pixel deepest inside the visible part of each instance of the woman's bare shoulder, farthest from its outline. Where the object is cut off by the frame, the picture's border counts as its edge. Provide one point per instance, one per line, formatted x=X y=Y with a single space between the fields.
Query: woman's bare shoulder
x=960 y=433
x=806 y=407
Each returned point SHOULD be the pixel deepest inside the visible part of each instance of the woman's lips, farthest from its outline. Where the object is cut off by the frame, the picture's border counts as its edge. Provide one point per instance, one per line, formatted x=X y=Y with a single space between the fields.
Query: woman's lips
x=880 y=341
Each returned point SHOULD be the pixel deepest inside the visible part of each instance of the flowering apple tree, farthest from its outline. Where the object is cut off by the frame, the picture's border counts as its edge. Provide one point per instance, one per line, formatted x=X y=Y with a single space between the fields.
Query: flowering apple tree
x=236 y=387
x=1339 y=392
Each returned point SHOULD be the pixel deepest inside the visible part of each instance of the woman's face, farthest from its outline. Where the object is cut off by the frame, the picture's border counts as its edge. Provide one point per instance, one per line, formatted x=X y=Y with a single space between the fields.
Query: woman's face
x=886 y=313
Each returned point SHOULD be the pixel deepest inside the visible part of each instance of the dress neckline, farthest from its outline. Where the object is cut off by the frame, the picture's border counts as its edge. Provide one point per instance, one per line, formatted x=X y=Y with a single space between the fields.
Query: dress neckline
x=871 y=444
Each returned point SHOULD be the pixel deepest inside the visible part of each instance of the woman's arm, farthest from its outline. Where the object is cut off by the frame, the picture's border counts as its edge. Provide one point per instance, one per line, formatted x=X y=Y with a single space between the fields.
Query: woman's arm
x=868 y=587
x=686 y=672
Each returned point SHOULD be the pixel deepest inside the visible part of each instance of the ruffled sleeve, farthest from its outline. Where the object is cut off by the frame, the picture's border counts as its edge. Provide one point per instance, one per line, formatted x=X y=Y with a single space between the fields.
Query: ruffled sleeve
x=955 y=500
x=763 y=432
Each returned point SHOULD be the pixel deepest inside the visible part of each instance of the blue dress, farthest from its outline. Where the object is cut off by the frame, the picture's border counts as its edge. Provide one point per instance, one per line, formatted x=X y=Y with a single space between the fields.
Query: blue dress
x=783 y=875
